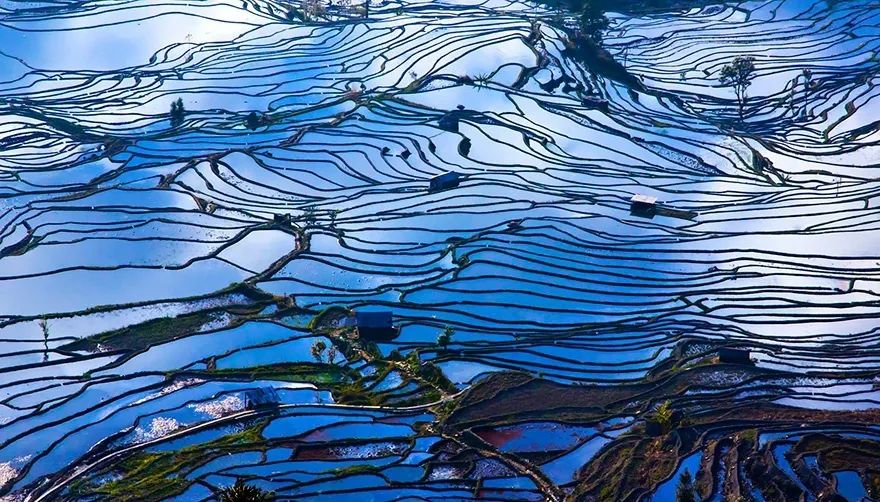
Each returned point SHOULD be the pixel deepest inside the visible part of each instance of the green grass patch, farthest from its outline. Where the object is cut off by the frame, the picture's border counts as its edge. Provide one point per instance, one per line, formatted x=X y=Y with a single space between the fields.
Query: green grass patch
x=327 y=314
x=149 y=476
x=316 y=373
x=355 y=469
x=356 y=393
x=143 y=335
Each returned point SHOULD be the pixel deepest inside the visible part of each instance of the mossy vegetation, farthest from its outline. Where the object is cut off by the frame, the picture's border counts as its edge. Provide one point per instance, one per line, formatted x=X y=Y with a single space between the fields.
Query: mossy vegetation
x=664 y=416
x=431 y=384
x=684 y=422
x=148 y=476
x=355 y=469
x=142 y=336
x=356 y=393
x=873 y=484
x=324 y=318
x=316 y=373
x=629 y=467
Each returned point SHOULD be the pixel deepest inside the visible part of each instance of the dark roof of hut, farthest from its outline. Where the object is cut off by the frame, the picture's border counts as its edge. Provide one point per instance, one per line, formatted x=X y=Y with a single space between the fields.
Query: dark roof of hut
x=375 y=319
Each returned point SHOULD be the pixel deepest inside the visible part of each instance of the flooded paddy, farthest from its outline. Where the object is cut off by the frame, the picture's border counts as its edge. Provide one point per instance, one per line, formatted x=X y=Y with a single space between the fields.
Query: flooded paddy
x=178 y=292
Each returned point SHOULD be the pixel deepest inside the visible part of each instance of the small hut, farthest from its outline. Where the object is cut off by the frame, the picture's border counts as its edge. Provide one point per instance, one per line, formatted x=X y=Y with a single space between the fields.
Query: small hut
x=643 y=205
x=444 y=181
x=734 y=356
x=376 y=325
x=449 y=121
x=262 y=397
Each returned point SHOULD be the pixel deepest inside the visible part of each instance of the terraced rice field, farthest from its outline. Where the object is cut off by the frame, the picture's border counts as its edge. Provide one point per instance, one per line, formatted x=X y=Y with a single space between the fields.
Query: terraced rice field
x=160 y=276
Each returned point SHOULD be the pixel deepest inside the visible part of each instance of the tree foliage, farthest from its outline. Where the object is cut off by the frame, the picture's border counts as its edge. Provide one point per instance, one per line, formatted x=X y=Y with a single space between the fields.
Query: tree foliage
x=178 y=112
x=739 y=75
x=253 y=121
x=592 y=20
x=446 y=336
x=685 y=490
x=241 y=492
x=318 y=348
x=413 y=361
x=663 y=416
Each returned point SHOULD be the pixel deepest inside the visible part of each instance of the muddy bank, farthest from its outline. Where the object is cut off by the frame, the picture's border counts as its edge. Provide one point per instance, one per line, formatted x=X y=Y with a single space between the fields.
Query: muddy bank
x=737 y=428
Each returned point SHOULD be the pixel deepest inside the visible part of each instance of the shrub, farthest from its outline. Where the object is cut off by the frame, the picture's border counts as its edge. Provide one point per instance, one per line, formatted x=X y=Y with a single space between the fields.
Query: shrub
x=445 y=337
x=685 y=490
x=318 y=348
x=413 y=362
x=241 y=492
x=663 y=416
x=178 y=112
x=253 y=121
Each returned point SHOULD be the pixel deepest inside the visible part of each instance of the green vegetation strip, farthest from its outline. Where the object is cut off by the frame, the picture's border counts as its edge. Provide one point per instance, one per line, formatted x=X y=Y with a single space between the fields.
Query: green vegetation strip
x=149 y=476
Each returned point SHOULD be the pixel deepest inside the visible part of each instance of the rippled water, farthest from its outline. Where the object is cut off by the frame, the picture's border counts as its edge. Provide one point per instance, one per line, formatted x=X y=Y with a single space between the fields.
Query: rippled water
x=111 y=216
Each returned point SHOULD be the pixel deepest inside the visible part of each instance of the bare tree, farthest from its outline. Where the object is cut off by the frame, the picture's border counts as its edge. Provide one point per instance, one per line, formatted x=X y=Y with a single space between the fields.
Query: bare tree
x=739 y=75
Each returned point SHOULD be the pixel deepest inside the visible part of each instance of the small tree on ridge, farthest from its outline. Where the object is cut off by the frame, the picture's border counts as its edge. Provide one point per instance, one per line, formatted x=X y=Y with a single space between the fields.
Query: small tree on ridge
x=685 y=490
x=178 y=112
x=739 y=75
